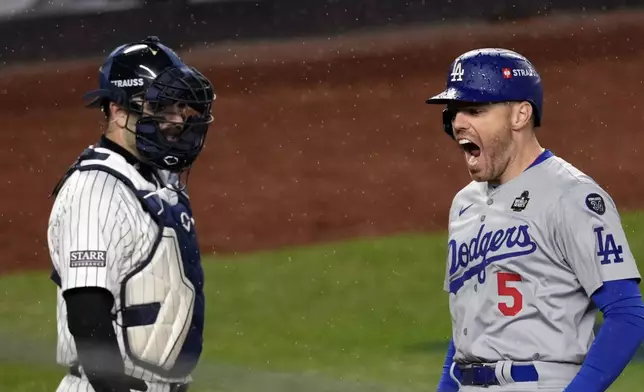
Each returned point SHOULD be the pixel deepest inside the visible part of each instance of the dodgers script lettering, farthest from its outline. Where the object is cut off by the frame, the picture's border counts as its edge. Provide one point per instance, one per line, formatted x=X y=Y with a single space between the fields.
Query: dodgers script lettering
x=486 y=248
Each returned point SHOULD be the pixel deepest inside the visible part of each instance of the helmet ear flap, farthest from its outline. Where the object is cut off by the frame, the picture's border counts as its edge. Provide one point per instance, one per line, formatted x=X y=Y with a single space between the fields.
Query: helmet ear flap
x=448 y=117
x=536 y=115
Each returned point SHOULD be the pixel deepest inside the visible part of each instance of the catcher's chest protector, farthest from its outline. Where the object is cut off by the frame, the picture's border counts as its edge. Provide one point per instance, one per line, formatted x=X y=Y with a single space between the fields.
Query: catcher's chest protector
x=161 y=304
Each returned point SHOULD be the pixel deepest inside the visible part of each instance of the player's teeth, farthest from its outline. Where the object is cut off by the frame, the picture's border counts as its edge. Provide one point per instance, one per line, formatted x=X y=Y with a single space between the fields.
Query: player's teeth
x=472 y=160
x=464 y=141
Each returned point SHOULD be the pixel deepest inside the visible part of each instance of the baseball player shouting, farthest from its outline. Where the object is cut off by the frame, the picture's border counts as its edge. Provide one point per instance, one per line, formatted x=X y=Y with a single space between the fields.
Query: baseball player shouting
x=535 y=247
x=121 y=233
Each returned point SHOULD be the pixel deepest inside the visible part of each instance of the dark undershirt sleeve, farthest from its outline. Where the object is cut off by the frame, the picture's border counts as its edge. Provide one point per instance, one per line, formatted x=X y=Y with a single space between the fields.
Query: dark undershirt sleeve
x=89 y=317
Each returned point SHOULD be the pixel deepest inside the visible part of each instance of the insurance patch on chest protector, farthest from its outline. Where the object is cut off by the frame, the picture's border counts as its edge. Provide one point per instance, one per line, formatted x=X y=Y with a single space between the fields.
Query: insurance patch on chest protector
x=596 y=203
x=87 y=258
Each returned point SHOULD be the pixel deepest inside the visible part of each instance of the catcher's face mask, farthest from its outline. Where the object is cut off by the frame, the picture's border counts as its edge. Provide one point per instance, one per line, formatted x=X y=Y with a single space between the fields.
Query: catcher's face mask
x=174 y=118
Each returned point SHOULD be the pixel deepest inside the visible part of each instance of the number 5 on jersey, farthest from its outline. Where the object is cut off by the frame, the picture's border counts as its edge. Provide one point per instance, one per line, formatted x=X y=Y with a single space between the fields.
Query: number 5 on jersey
x=514 y=304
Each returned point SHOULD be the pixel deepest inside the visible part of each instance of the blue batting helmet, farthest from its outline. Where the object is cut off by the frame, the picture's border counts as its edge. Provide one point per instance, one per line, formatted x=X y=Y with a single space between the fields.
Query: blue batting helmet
x=491 y=75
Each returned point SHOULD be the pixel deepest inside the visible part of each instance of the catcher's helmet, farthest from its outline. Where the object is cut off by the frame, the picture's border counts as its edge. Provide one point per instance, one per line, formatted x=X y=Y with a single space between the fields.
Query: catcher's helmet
x=491 y=75
x=148 y=72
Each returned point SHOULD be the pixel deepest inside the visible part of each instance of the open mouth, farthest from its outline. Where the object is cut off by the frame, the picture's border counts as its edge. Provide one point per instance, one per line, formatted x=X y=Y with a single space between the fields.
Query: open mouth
x=171 y=133
x=472 y=150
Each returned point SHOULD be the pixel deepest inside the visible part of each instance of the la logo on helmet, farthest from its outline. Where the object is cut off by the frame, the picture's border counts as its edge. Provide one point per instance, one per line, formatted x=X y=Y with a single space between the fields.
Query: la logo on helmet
x=457 y=72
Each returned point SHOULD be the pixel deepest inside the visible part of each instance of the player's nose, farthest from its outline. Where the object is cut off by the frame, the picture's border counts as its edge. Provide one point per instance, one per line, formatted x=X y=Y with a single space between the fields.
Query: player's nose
x=460 y=123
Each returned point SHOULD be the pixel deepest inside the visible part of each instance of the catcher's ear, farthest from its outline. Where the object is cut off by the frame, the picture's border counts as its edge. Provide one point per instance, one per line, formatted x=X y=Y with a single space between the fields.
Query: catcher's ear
x=117 y=115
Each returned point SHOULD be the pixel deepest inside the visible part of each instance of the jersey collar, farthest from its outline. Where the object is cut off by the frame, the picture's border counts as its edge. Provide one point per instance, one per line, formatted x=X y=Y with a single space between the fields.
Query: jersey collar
x=117 y=148
x=541 y=158
x=545 y=155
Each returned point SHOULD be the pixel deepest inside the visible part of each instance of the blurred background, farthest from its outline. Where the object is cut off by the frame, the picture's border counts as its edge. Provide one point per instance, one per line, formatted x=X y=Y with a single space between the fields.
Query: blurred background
x=322 y=195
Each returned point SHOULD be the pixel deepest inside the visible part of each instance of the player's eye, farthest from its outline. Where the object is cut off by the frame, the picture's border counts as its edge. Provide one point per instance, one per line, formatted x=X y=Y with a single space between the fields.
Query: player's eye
x=473 y=111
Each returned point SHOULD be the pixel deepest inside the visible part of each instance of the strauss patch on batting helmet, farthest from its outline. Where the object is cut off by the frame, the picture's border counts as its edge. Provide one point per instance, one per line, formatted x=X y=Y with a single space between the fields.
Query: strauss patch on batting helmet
x=491 y=75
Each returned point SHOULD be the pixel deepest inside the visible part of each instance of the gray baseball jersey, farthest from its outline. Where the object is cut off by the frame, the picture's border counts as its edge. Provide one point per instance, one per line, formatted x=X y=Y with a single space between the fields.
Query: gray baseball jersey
x=524 y=259
x=112 y=228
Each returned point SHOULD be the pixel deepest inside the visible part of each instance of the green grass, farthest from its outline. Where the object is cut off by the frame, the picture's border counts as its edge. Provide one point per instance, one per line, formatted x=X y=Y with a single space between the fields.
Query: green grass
x=367 y=315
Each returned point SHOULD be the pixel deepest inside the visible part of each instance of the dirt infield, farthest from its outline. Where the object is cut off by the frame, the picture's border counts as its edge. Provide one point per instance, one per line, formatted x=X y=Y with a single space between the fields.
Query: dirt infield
x=325 y=139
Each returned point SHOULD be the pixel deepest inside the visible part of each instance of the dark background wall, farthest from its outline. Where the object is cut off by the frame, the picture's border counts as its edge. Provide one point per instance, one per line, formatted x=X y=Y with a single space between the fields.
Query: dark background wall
x=46 y=32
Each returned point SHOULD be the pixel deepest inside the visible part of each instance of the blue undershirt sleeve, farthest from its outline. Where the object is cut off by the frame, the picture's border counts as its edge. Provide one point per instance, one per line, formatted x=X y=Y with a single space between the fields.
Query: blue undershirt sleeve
x=620 y=302
x=447 y=384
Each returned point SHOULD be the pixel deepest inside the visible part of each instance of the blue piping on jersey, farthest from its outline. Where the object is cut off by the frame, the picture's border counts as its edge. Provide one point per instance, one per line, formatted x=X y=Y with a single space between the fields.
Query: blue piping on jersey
x=541 y=158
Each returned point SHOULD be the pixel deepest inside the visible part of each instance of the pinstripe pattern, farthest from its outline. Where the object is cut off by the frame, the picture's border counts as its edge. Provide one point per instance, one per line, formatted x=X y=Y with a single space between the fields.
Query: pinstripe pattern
x=94 y=211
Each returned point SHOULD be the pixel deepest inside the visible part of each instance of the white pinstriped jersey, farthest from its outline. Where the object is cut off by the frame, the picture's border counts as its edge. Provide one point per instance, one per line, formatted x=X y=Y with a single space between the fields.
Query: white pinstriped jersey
x=100 y=235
